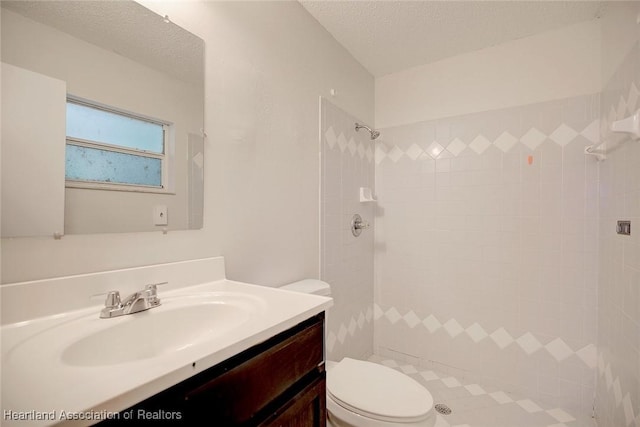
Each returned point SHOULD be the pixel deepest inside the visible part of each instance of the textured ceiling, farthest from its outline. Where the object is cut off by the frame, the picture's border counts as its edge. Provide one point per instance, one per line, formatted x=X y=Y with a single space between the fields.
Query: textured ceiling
x=126 y=28
x=389 y=36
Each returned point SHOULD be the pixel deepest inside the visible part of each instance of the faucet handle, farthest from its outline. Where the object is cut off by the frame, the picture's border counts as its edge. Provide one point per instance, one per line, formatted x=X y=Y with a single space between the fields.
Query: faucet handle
x=153 y=287
x=113 y=299
x=152 y=292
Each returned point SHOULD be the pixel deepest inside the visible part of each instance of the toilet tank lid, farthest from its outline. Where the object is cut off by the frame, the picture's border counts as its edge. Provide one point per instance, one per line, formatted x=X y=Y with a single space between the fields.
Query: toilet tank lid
x=309 y=286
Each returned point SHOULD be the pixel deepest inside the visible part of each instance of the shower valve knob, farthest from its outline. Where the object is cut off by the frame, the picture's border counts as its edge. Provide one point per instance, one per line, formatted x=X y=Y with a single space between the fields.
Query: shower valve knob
x=357 y=225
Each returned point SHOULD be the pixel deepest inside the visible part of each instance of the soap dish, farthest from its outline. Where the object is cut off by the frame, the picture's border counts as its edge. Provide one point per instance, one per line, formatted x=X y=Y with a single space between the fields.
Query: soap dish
x=366 y=195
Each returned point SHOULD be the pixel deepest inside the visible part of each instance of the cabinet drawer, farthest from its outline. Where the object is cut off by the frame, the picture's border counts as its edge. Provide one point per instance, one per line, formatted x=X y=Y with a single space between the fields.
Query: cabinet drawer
x=236 y=395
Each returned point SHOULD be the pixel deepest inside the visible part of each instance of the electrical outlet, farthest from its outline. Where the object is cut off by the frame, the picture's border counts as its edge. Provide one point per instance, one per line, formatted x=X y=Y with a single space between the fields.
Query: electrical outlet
x=160 y=215
x=624 y=228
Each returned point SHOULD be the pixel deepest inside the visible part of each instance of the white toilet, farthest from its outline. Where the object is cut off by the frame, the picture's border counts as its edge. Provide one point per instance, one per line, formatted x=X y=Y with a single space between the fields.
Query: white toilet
x=366 y=394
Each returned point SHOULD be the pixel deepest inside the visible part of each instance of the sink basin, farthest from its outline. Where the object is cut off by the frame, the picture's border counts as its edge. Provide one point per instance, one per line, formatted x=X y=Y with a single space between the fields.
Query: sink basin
x=179 y=323
x=149 y=333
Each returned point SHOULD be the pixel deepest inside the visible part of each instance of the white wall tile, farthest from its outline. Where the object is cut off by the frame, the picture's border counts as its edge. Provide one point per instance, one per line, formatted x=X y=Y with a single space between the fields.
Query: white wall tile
x=346 y=261
x=619 y=272
x=505 y=251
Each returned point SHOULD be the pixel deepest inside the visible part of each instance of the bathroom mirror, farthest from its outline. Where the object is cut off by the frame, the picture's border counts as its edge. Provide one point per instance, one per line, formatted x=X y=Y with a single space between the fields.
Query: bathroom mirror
x=102 y=119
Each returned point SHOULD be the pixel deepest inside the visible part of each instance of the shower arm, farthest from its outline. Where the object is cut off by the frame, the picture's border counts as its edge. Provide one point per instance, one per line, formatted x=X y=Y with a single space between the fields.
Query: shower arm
x=374 y=133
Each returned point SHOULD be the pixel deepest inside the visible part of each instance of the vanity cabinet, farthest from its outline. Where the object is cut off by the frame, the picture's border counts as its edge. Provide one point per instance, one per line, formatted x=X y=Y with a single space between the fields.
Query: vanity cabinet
x=279 y=382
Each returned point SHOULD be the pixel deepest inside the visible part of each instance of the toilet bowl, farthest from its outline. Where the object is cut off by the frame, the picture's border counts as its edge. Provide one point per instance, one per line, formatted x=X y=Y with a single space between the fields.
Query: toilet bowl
x=366 y=394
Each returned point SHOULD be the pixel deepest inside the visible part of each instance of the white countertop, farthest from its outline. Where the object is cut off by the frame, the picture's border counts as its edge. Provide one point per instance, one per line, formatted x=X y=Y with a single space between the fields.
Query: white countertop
x=36 y=380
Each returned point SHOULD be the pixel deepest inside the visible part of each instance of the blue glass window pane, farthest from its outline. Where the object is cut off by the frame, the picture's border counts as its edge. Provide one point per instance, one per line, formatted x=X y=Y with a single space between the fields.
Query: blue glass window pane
x=93 y=124
x=92 y=164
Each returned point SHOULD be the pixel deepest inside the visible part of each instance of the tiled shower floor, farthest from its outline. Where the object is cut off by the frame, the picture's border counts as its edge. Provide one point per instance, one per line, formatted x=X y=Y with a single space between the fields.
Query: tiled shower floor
x=476 y=405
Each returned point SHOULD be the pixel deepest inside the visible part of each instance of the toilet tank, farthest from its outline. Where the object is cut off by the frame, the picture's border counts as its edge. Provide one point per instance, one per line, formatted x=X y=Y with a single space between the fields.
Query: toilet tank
x=309 y=286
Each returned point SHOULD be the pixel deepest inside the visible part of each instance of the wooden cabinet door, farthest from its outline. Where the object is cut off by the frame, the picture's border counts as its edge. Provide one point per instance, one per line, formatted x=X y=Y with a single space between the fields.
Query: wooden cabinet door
x=307 y=409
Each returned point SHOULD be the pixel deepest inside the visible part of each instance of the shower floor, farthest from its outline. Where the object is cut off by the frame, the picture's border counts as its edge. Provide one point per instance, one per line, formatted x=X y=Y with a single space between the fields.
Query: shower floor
x=476 y=405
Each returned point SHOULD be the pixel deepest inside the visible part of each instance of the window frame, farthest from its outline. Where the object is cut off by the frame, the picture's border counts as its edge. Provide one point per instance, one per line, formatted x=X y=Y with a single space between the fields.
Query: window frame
x=166 y=157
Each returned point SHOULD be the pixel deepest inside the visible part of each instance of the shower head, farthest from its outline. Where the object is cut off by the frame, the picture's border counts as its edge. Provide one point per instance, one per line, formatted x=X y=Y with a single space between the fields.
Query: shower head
x=374 y=133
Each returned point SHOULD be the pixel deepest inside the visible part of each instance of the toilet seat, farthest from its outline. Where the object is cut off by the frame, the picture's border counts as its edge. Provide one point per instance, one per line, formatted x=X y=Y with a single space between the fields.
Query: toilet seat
x=378 y=392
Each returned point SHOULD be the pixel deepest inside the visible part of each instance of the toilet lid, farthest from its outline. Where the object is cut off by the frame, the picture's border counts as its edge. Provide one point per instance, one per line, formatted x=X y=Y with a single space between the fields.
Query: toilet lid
x=377 y=391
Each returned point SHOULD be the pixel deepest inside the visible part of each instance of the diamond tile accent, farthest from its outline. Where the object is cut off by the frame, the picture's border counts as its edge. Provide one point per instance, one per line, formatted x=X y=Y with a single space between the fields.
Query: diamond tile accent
x=369 y=314
x=361 y=320
x=390 y=363
x=369 y=154
x=608 y=376
x=361 y=150
x=560 y=415
x=600 y=364
x=441 y=422
x=342 y=142
x=501 y=338
x=479 y=144
x=352 y=327
x=628 y=409
x=633 y=98
x=529 y=343
x=414 y=151
x=529 y=406
x=617 y=391
x=612 y=115
x=409 y=369
x=411 y=319
x=342 y=334
x=393 y=315
x=588 y=355
x=429 y=375
x=476 y=333
x=394 y=154
x=345 y=331
x=622 y=108
x=475 y=389
x=505 y=142
x=380 y=153
x=352 y=146
x=330 y=137
x=500 y=397
x=456 y=147
x=331 y=341
x=431 y=323
x=533 y=138
x=563 y=135
x=559 y=349
x=592 y=132
x=453 y=328
x=451 y=382
x=434 y=149
x=377 y=312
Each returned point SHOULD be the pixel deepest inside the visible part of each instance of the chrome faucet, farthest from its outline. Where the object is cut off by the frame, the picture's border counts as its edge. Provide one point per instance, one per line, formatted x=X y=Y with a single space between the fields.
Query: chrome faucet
x=134 y=303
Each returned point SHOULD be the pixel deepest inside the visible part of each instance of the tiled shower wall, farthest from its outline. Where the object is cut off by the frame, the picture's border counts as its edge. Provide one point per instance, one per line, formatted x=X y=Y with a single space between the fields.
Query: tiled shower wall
x=486 y=248
x=347 y=163
x=618 y=393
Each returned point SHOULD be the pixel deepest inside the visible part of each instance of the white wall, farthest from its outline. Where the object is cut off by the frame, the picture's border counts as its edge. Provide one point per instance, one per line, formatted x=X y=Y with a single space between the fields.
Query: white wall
x=553 y=65
x=620 y=31
x=266 y=65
